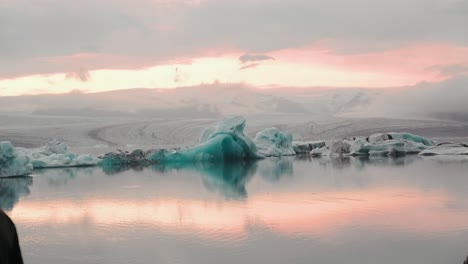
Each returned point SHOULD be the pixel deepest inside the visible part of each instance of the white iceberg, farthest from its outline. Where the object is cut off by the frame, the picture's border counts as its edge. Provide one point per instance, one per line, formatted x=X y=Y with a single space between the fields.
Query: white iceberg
x=446 y=149
x=56 y=155
x=271 y=142
x=385 y=148
x=13 y=162
x=388 y=144
x=319 y=152
x=305 y=147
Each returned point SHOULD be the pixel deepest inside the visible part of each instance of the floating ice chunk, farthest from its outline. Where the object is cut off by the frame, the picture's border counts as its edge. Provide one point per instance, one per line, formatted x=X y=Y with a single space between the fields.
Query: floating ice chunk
x=13 y=162
x=375 y=138
x=115 y=162
x=55 y=155
x=323 y=151
x=386 y=148
x=446 y=149
x=271 y=142
x=410 y=137
x=340 y=147
x=224 y=142
x=385 y=144
x=305 y=147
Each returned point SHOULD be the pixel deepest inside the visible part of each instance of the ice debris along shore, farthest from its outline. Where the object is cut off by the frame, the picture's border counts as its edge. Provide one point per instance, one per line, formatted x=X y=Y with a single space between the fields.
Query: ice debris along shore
x=16 y=161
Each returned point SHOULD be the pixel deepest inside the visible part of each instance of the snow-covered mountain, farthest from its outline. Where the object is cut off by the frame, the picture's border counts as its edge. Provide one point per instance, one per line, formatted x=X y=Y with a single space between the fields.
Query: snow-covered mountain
x=199 y=101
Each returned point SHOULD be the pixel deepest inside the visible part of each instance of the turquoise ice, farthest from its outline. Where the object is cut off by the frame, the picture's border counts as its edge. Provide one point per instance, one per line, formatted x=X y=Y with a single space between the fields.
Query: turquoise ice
x=13 y=162
x=225 y=141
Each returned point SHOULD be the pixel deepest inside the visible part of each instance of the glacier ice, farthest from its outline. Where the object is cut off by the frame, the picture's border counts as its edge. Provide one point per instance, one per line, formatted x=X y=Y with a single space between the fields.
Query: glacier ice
x=16 y=161
x=271 y=142
x=305 y=147
x=55 y=155
x=389 y=144
x=225 y=141
x=446 y=149
x=13 y=162
x=411 y=138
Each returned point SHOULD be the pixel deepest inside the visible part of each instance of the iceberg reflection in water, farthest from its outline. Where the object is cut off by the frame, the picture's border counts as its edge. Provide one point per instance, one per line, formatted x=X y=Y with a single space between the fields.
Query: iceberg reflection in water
x=11 y=189
x=277 y=210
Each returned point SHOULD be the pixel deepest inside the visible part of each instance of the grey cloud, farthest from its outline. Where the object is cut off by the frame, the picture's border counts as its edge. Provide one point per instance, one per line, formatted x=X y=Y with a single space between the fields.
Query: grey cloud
x=148 y=32
x=451 y=70
x=254 y=57
x=422 y=100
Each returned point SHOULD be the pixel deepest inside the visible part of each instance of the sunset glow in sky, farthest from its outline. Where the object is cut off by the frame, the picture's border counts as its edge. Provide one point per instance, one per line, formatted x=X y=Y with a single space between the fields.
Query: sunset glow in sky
x=49 y=46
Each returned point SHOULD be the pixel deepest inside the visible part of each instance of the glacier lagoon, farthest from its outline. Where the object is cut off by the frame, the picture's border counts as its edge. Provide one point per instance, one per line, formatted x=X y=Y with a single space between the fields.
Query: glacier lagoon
x=277 y=210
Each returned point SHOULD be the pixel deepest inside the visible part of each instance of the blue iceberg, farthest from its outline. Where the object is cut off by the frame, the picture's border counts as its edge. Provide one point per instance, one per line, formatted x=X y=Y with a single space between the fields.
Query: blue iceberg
x=13 y=162
x=224 y=142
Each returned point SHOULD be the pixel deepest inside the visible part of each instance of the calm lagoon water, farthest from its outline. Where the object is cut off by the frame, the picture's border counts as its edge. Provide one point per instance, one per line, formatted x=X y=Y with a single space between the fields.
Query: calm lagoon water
x=290 y=210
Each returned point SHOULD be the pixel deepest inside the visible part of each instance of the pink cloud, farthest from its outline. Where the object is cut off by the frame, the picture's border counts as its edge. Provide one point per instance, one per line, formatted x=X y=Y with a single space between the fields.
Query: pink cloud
x=415 y=62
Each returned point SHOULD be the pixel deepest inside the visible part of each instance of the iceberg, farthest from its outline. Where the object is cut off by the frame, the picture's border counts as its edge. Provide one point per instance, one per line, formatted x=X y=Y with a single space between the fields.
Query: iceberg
x=271 y=142
x=56 y=155
x=385 y=148
x=224 y=142
x=389 y=144
x=13 y=162
x=411 y=138
x=16 y=161
x=446 y=149
x=322 y=151
x=118 y=161
x=305 y=147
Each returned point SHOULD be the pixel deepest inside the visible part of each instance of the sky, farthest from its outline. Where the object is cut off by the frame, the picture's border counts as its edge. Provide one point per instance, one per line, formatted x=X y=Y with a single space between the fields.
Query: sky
x=58 y=46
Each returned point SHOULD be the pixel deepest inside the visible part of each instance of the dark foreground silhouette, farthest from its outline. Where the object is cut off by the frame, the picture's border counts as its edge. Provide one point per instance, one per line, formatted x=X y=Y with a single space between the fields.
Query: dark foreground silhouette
x=10 y=252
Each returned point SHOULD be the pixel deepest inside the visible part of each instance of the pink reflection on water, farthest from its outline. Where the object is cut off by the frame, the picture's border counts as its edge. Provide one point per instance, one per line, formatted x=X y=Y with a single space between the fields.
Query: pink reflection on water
x=286 y=214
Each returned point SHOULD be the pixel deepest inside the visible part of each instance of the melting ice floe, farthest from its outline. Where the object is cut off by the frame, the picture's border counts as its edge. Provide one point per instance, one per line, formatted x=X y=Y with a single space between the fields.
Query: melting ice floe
x=56 y=155
x=13 y=162
x=22 y=161
x=225 y=141
x=446 y=149
x=305 y=147
x=389 y=144
x=271 y=142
